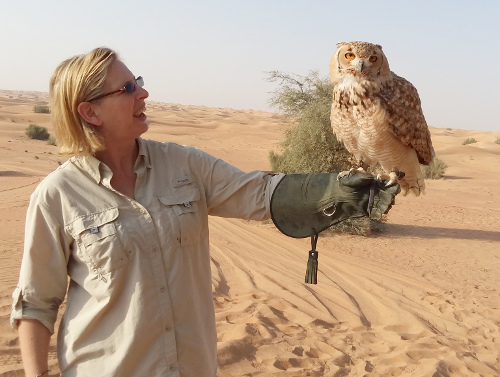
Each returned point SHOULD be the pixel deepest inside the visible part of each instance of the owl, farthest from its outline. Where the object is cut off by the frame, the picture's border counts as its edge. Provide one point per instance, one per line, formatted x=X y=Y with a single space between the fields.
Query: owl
x=377 y=115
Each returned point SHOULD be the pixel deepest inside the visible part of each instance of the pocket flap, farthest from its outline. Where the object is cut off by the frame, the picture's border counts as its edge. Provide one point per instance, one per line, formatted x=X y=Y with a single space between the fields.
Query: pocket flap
x=92 y=220
x=182 y=195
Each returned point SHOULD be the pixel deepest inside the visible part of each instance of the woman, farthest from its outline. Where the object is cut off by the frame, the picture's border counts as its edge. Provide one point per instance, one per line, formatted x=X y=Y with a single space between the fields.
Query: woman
x=126 y=219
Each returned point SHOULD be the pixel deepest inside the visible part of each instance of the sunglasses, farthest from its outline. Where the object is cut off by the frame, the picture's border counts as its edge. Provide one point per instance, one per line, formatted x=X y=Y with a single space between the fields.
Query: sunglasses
x=129 y=88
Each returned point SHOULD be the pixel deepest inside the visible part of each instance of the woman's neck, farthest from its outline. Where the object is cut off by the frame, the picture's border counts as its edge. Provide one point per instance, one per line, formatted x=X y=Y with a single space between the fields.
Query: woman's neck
x=121 y=161
x=118 y=157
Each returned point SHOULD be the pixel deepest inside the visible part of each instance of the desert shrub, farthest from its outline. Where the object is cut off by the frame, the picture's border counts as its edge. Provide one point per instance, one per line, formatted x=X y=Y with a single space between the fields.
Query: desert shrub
x=309 y=145
x=52 y=140
x=497 y=141
x=469 y=140
x=43 y=109
x=362 y=226
x=37 y=132
x=435 y=170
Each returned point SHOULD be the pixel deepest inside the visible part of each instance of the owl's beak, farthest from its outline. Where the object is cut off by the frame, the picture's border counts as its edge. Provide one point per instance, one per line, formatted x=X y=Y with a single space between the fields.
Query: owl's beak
x=361 y=65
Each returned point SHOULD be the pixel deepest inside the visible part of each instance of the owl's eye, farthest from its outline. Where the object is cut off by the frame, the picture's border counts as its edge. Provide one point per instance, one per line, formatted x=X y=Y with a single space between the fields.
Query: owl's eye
x=349 y=56
x=373 y=58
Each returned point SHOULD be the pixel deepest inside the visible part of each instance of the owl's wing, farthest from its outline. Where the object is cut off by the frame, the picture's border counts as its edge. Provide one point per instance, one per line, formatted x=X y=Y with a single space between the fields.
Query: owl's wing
x=406 y=119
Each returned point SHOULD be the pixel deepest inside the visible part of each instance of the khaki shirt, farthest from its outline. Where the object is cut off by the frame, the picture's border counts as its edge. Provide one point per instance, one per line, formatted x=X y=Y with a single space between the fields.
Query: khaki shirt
x=139 y=300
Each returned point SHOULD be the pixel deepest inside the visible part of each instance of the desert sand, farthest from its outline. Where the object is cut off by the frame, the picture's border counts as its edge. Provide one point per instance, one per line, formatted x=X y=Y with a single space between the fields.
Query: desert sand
x=420 y=299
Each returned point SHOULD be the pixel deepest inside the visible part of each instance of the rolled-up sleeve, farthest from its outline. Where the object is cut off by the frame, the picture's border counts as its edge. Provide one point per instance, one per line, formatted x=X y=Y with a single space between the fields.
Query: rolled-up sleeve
x=43 y=277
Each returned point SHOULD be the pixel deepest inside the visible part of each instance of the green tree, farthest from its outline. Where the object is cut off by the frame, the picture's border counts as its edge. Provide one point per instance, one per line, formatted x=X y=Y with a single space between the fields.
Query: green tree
x=309 y=145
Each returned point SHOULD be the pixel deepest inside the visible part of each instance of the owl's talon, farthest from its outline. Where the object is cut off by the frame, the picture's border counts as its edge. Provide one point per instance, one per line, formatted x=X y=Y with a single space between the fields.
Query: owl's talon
x=393 y=178
x=346 y=173
x=391 y=182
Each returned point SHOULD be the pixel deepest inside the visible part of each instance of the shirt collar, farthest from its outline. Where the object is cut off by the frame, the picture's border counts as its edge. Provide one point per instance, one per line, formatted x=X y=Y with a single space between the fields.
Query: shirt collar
x=94 y=166
x=143 y=154
x=90 y=164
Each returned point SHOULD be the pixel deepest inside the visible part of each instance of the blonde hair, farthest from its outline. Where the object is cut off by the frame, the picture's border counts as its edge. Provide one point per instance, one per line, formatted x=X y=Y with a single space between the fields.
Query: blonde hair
x=77 y=80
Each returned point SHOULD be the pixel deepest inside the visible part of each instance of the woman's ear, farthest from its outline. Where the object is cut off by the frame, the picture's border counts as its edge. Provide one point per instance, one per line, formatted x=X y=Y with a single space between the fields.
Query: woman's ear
x=87 y=112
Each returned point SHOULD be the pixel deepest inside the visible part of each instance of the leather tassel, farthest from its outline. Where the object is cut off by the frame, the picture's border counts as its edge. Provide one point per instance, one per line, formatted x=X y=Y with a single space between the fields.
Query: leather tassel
x=312 y=263
x=312 y=268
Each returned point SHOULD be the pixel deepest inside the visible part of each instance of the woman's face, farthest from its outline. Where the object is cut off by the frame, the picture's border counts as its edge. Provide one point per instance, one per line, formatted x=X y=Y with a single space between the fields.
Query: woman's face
x=121 y=114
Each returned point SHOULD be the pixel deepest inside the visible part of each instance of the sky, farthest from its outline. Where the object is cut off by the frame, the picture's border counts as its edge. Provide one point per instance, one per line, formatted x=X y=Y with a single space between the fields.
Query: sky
x=218 y=53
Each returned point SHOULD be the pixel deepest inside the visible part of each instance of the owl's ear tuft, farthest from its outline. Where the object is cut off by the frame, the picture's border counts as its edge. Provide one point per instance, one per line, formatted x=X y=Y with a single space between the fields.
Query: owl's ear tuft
x=340 y=44
x=379 y=46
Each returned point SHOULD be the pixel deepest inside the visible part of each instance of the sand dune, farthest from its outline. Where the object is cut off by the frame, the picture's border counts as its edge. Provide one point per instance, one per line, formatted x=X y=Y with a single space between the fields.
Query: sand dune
x=420 y=299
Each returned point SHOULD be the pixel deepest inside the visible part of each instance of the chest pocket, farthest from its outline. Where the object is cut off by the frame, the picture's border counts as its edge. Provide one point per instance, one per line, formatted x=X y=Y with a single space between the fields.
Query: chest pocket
x=98 y=241
x=184 y=201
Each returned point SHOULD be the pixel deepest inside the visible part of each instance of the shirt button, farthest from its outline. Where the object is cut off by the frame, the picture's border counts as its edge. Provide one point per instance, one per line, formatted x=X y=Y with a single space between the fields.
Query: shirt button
x=173 y=367
x=155 y=249
x=163 y=289
x=168 y=328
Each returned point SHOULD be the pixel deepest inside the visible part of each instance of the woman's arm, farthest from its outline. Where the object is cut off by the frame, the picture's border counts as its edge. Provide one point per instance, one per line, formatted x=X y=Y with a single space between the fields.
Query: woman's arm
x=34 y=340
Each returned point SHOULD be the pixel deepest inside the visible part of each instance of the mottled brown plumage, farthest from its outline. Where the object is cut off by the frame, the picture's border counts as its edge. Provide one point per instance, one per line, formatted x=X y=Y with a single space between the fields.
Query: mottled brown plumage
x=377 y=114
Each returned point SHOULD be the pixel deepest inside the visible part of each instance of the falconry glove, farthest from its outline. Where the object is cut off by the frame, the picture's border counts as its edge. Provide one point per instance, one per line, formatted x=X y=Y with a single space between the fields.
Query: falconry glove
x=303 y=205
